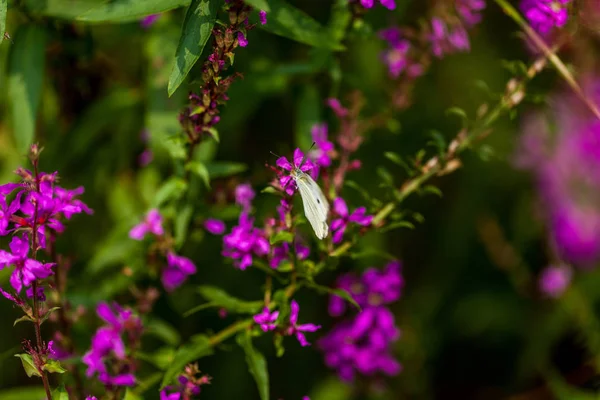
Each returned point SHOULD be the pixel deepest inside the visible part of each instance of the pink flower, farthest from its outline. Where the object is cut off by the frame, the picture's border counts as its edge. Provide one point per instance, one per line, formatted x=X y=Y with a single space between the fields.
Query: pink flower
x=358 y=216
x=267 y=320
x=321 y=154
x=152 y=223
x=214 y=226
x=177 y=270
x=298 y=330
x=242 y=41
x=26 y=270
x=300 y=164
x=262 y=15
x=554 y=280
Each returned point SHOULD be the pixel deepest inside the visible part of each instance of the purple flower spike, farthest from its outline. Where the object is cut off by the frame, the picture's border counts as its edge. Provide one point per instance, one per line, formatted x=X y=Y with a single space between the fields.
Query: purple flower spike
x=26 y=270
x=244 y=194
x=214 y=226
x=177 y=270
x=267 y=320
x=152 y=223
x=554 y=280
x=298 y=330
x=358 y=216
x=244 y=241
x=321 y=154
x=262 y=15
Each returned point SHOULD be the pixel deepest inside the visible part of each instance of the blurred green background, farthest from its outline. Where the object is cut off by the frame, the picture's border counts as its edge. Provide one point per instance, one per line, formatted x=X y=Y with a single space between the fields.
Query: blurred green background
x=474 y=326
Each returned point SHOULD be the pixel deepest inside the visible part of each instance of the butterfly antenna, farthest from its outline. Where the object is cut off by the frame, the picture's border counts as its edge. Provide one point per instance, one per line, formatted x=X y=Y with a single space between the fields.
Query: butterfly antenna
x=311 y=146
x=276 y=155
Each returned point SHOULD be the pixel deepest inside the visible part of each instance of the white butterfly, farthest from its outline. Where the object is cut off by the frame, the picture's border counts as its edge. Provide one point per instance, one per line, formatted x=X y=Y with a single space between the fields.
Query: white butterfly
x=316 y=206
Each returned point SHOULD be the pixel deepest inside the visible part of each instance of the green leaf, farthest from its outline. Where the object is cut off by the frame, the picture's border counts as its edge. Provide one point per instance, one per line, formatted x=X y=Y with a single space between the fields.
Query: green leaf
x=131 y=395
x=162 y=330
x=340 y=19
x=48 y=313
x=24 y=318
x=220 y=298
x=261 y=5
x=3 y=9
x=288 y=21
x=282 y=236
x=28 y=365
x=60 y=393
x=197 y=28
x=23 y=393
x=172 y=189
x=257 y=365
x=25 y=79
x=102 y=11
x=341 y=250
x=308 y=113
x=198 y=348
x=200 y=170
x=53 y=366
x=338 y=292
x=182 y=224
x=223 y=169
x=331 y=389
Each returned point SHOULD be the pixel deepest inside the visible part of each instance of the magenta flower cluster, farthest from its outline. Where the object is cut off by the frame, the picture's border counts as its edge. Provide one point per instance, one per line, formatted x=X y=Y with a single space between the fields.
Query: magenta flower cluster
x=545 y=15
x=389 y=4
x=362 y=344
x=565 y=160
x=300 y=162
x=178 y=268
x=267 y=321
x=554 y=280
x=35 y=213
x=108 y=355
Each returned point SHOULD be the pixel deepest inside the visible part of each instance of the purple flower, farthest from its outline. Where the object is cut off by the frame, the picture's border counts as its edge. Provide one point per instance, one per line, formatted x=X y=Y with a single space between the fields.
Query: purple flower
x=321 y=154
x=281 y=253
x=6 y=211
x=244 y=241
x=444 y=40
x=337 y=107
x=145 y=158
x=300 y=163
x=397 y=57
x=362 y=345
x=148 y=21
x=545 y=15
x=358 y=216
x=554 y=280
x=374 y=288
x=262 y=15
x=389 y=4
x=177 y=270
x=244 y=194
x=266 y=319
x=295 y=329
x=214 y=226
x=14 y=298
x=242 y=41
x=186 y=388
x=107 y=356
x=91 y=398
x=26 y=270
x=152 y=223
x=469 y=11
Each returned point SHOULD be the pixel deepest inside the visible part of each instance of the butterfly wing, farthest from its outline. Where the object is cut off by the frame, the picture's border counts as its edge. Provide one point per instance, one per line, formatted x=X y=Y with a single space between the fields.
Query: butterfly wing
x=315 y=204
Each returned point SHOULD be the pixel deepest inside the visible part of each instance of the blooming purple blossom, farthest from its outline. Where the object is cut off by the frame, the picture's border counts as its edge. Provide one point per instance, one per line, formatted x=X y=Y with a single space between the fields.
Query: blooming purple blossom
x=337 y=107
x=300 y=162
x=446 y=40
x=242 y=41
x=177 y=270
x=554 y=280
x=187 y=385
x=262 y=15
x=298 y=330
x=244 y=194
x=149 y=20
x=282 y=252
x=389 y=4
x=469 y=11
x=321 y=155
x=107 y=356
x=214 y=226
x=26 y=269
x=152 y=223
x=545 y=15
x=266 y=319
x=339 y=225
x=244 y=241
x=397 y=57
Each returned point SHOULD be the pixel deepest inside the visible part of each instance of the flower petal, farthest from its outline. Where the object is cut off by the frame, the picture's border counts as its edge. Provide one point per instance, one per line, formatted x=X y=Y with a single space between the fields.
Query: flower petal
x=283 y=162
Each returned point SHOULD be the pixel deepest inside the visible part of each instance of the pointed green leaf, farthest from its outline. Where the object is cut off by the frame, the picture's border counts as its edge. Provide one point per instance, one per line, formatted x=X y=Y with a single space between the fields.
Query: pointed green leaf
x=198 y=348
x=102 y=11
x=257 y=365
x=220 y=298
x=24 y=318
x=3 y=9
x=200 y=170
x=282 y=236
x=260 y=5
x=53 y=366
x=338 y=292
x=290 y=22
x=60 y=393
x=195 y=32
x=25 y=79
x=48 y=313
x=173 y=188
x=28 y=365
